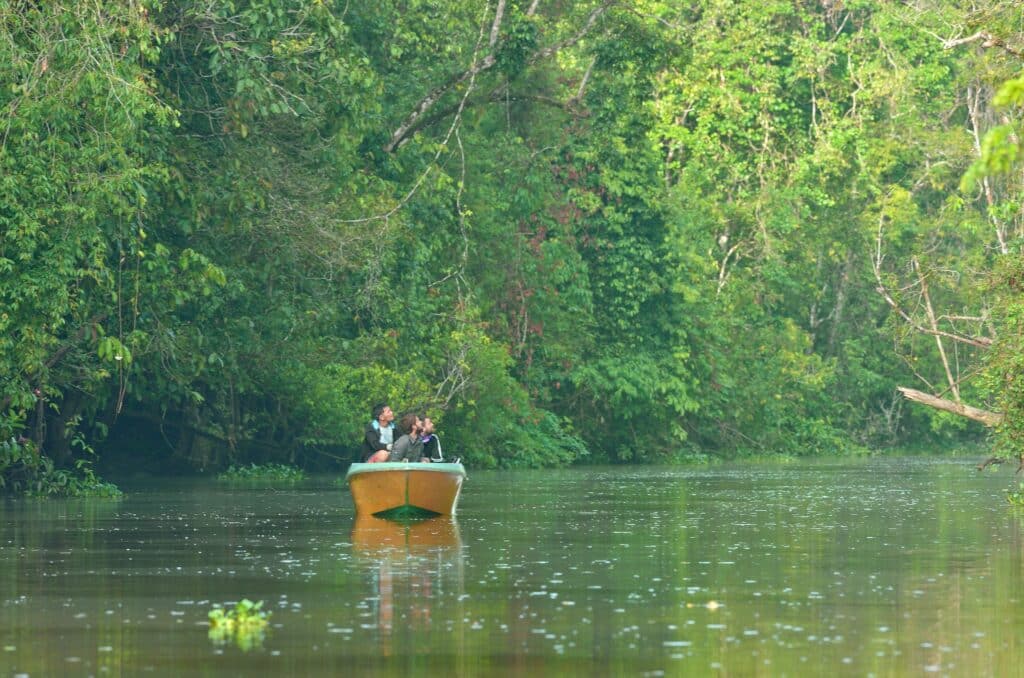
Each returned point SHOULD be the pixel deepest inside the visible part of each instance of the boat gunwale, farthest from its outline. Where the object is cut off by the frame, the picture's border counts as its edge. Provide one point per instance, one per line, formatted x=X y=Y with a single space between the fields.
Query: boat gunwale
x=405 y=466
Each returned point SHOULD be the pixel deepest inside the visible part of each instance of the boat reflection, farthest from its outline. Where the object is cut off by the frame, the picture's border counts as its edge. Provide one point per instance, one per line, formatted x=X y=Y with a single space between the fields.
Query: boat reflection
x=415 y=566
x=373 y=536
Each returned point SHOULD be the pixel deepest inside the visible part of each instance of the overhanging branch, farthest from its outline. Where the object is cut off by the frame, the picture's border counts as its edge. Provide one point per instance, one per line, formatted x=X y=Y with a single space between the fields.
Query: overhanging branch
x=415 y=119
x=986 y=417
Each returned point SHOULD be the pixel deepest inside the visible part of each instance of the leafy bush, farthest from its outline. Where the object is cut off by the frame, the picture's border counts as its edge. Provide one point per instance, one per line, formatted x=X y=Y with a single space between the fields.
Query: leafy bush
x=541 y=440
x=24 y=471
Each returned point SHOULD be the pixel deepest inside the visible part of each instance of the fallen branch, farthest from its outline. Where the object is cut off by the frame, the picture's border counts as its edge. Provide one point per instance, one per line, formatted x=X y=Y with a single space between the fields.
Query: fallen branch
x=988 y=462
x=999 y=460
x=984 y=416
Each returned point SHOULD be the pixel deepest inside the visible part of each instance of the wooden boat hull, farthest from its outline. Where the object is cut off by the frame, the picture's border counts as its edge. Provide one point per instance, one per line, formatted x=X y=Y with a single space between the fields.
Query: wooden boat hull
x=389 y=488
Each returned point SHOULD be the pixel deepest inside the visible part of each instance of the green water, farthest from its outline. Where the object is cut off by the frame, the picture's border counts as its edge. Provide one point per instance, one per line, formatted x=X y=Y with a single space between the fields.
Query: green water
x=879 y=567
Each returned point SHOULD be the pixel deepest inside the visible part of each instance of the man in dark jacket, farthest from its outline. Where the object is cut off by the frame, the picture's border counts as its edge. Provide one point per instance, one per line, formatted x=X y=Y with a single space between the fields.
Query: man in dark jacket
x=431 y=443
x=380 y=434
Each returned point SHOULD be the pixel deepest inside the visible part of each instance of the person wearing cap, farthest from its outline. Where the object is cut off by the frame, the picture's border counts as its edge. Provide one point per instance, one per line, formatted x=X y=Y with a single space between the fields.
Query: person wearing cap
x=380 y=434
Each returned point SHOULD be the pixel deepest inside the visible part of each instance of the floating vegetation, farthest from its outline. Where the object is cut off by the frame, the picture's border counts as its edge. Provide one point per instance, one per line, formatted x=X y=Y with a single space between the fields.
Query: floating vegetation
x=245 y=624
x=263 y=473
x=1016 y=497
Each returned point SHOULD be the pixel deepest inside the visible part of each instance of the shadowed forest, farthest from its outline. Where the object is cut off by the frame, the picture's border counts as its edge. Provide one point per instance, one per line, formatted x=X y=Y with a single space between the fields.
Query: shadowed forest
x=627 y=232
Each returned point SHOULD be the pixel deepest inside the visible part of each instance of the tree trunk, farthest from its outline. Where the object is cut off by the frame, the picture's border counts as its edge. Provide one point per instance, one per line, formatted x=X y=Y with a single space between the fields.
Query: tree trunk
x=984 y=416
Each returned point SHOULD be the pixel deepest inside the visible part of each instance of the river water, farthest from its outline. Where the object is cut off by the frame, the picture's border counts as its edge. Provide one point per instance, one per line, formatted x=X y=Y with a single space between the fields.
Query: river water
x=883 y=567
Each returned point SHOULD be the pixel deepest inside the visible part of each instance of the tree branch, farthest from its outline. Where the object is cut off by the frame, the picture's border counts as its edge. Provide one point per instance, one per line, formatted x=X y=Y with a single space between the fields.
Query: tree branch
x=428 y=102
x=988 y=39
x=568 y=42
x=583 y=84
x=935 y=328
x=986 y=417
x=876 y=265
x=499 y=14
x=973 y=106
x=415 y=119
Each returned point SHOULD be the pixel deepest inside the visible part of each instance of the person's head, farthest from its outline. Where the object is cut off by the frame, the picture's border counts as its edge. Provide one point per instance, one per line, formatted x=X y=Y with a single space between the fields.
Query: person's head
x=383 y=414
x=409 y=423
x=428 y=426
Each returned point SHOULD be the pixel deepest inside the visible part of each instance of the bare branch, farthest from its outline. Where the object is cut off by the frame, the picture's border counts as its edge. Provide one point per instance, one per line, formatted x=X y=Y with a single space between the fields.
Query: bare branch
x=591 y=20
x=968 y=318
x=988 y=40
x=883 y=290
x=984 y=416
x=973 y=106
x=723 y=269
x=416 y=118
x=428 y=102
x=953 y=386
x=583 y=83
x=456 y=121
x=499 y=14
x=950 y=43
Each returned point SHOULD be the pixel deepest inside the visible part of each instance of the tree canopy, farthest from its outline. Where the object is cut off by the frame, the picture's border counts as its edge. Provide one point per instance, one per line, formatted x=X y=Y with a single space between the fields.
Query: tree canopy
x=617 y=232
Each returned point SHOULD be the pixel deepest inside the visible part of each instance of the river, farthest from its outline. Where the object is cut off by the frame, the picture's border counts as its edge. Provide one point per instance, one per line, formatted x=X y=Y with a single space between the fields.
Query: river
x=868 y=567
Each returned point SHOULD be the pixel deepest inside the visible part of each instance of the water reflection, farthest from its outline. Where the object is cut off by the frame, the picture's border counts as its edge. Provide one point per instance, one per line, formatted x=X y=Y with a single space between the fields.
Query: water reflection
x=874 y=567
x=374 y=537
x=413 y=565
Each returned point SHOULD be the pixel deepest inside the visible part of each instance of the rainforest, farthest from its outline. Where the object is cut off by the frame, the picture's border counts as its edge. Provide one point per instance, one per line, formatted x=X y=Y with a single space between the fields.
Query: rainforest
x=625 y=232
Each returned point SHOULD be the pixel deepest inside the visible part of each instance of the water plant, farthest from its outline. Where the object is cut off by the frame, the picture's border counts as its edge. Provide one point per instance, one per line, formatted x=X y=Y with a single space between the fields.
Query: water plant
x=245 y=623
x=263 y=472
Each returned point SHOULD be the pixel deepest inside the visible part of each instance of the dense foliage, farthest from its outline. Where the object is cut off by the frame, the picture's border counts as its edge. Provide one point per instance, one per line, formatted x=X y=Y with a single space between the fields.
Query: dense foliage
x=643 y=231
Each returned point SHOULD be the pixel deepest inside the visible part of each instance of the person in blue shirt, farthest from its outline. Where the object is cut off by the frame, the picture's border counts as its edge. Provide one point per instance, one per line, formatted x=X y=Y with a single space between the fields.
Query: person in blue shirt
x=380 y=434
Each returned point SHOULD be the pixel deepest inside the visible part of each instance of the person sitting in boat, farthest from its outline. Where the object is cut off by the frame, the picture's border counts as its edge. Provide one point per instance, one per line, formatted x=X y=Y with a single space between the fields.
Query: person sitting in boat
x=431 y=443
x=380 y=434
x=409 y=447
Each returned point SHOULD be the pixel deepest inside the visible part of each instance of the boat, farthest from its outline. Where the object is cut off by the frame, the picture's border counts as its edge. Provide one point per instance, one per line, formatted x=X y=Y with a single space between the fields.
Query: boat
x=403 y=489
